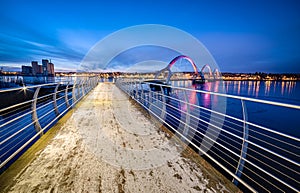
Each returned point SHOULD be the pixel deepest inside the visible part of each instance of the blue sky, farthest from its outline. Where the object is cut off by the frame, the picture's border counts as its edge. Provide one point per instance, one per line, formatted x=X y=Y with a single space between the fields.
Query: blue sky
x=243 y=36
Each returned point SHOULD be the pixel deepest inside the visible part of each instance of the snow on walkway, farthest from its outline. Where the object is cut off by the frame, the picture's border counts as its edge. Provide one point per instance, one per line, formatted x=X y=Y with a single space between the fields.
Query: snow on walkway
x=109 y=145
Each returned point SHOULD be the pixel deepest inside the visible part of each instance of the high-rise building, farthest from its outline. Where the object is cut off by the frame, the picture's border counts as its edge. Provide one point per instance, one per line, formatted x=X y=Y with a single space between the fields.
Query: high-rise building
x=45 y=67
x=41 y=69
x=35 y=67
x=50 y=69
x=26 y=70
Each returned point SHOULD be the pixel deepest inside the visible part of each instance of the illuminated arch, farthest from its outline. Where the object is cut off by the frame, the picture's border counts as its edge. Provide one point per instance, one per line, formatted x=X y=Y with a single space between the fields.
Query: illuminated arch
x=184 y=57
x=217 y=73
x=209 y=69
x=168 y=68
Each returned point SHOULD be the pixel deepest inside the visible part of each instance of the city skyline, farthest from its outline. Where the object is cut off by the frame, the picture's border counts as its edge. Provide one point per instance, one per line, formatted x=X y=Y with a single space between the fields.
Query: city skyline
x=256 y=36
x=36 y=69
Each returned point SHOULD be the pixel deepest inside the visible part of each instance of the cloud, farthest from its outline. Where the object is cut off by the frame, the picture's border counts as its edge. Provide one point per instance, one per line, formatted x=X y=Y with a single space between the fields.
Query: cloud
x=20 y=44
x=21 y=51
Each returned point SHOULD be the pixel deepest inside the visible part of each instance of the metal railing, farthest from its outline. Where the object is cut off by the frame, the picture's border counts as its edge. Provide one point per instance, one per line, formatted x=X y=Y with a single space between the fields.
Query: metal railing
x=228 y=131
x=36 y=110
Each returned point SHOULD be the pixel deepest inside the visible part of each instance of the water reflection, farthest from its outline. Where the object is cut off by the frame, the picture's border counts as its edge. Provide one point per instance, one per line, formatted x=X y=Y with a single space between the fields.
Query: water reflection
x=249 y=87
x=282 y=87
x=193 y=99
x=258 y=89
x=239 y=88
x=205 y=98
x=272 y=90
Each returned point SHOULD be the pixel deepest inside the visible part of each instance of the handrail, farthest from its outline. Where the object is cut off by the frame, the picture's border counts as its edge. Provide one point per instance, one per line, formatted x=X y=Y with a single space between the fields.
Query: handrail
x=31 y=86
x=265 y=158
x=46 y=110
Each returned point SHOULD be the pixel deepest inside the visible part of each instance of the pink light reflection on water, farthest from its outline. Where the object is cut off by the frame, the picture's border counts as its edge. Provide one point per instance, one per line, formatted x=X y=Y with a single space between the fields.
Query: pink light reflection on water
x=267 y=87
x=239 y=88
x=216 y=89
x=192 y=98
x=249 y=87
x=206 y=97
x=257 y=88
x=282 y=87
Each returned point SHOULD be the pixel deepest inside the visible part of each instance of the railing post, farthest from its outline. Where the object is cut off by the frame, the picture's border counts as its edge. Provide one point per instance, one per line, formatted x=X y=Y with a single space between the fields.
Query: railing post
x=86 y=85
x=78 y=89
x=164 y=107
x=187 y=116
x=73 y=92
x=241 y=163
x=136 y=91
x=142 y=93
x=128 y=86
x=66 y=96
x=89 y=86
x=35 y=119
x=93 y=82
x=82 y=88
x=131 y=87
x=54 y=100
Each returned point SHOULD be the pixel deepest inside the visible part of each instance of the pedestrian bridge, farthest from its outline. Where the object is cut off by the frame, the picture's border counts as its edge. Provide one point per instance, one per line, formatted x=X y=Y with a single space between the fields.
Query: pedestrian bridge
x=127 y=137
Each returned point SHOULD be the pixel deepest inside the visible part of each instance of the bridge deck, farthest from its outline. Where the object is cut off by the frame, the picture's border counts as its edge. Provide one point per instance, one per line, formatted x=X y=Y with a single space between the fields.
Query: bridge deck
x=110 y=145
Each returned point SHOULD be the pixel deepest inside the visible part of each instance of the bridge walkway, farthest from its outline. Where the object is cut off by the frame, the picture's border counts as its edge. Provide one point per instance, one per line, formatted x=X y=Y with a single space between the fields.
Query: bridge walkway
x=109 y=144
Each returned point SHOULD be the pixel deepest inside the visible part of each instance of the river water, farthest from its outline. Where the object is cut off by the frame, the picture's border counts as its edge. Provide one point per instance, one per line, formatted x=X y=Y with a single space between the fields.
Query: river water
x=280 y=91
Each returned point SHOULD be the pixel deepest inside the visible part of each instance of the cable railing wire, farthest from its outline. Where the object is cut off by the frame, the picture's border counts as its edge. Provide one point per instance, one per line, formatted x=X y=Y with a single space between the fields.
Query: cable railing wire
x=273 y=168
x=253 y=143
x=193 y=128
x=17 y=124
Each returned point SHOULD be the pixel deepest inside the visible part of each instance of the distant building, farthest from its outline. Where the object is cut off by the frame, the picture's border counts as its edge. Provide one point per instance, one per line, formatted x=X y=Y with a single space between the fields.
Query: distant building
x=27 y=70
x=36 y=68
x=50 y=69
x=45 y=67
x=41 y=69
